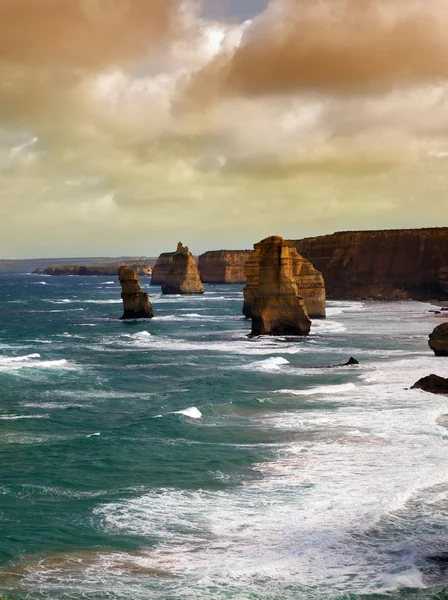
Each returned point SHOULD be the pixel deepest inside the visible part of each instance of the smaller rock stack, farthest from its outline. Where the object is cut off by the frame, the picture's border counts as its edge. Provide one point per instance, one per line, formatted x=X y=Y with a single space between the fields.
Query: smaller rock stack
x=277 y=307
x=161 y=268
x=183 y=274
x=438 y=340
x=136 y=303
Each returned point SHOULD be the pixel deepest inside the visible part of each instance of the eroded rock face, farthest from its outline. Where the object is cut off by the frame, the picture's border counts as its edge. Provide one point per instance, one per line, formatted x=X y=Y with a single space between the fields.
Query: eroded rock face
x=223 y=266
x=183 y=274
x=309 y=280
x=438 y=340
x=161 y=268
x=433 y=384
x=277 y=307
x=136 y=304
x=382 y=265
x=93 y=270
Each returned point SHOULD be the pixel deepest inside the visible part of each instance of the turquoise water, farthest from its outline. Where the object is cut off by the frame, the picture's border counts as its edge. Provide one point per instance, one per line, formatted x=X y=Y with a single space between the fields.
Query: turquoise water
x=176 y=458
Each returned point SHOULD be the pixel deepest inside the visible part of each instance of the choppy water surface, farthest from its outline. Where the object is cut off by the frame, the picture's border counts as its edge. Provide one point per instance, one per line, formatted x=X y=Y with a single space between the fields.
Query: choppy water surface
x=176 y=458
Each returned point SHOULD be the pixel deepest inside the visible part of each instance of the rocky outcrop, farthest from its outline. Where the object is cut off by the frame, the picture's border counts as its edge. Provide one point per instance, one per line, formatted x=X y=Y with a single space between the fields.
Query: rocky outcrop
x=99 y=271
x=309 y=280
x=224 y=266
x=433 y=384
x=438 y=340
x=382 y=265
x=277 y=307
x=161 y=268
x=136 y=304
x=183 y=274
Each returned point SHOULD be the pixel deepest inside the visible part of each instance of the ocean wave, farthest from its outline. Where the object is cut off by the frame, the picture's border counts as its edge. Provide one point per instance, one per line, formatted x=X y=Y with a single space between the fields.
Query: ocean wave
x=324 y=389
x=19 y=417
x=33 y=361
x=269 y=365
x=192 y=412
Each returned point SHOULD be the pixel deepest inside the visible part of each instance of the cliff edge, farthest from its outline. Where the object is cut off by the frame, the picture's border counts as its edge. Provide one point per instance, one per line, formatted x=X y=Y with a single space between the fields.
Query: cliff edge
x=395 y=264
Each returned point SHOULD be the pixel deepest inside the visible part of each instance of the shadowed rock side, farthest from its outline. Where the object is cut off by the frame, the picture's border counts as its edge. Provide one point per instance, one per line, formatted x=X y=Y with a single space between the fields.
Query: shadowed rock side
x=277 y=307
x=223 y=266
x=95 y=270
x=309 y=280
x=183 y=274
x=433 y=384
x=438 y=340
x=161 y=268
x=136 y=303
x=383 y=265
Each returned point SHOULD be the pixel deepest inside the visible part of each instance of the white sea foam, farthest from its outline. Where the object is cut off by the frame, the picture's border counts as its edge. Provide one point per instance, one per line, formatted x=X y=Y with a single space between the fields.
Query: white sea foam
x=274 y=363
x=40 y=283
x=32 y=361
x=192 y=412
x=324 y=389
x=93 y=435
x=20 y=417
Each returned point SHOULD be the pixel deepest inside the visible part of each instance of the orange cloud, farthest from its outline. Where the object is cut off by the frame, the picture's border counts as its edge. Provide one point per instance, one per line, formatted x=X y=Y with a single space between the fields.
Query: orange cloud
x=84 y=33
x=331 y=46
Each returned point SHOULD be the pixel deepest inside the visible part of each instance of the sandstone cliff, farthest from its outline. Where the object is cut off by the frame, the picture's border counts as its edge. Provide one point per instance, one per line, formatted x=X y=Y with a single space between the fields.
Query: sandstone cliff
x=223 y=266
x=136 y=304
x=161 y=268
x=309 y=280
x=277 y=308
x=183 y=274
x=390 y=264
x=100 y=270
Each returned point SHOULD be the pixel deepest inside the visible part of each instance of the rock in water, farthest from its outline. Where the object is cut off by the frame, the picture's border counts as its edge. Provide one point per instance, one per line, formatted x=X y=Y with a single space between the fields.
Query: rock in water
x=433 y=384
x=438 y=340
x=310 y=282
x=183 y=274
x=277 y=308
x=161 y=268
x=136 y=303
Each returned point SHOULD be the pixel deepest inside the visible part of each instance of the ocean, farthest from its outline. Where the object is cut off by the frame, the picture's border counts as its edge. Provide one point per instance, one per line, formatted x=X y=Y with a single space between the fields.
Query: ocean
x=178 y=458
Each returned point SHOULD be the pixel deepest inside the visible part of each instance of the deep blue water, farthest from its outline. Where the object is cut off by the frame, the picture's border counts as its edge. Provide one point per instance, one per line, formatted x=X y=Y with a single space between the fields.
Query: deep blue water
x=177 y=458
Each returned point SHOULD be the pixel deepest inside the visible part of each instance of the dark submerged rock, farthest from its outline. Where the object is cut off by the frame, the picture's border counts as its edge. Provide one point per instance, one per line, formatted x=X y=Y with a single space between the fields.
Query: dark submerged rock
x=432 y=384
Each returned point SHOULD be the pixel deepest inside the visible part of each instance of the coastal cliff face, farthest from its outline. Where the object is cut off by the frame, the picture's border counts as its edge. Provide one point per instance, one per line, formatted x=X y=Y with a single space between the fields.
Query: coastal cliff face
x=277 y=307
x=99 y=271
x=382 y=265
x=161 y=268
x=183 y=274
x=136 y=304
x=224 y=266
x=309 y=281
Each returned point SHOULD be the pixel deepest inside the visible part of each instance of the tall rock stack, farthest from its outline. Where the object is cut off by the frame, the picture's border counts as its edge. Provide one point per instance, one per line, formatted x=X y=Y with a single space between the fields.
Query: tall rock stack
x=277 y=308
x=309 y=280
x=161 y=268
x=183 y=274
x=136 y=303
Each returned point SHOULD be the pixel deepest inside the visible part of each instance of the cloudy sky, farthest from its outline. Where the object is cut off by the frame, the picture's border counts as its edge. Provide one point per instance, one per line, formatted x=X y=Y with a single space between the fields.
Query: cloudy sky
x=127 y=125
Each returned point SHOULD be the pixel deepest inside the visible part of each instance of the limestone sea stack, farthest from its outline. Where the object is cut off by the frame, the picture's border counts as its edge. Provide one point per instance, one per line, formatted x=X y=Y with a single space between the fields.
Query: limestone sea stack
x=309 y=280
x=223 y=266
x=136 y=303
x=277 y=308
x=438 y=340
x=183 y=274
x=395 y=264
x=161 y=268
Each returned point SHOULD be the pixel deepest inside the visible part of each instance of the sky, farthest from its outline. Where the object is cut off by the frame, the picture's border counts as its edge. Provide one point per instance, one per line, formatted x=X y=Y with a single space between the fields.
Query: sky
x=128 y=125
